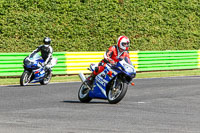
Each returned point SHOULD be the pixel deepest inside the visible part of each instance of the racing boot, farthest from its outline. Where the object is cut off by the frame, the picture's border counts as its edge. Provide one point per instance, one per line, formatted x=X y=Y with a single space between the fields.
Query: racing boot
x=90 y=80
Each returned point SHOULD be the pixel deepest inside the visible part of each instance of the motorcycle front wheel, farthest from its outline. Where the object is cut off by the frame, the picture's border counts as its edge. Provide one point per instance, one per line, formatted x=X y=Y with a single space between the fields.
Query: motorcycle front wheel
x=83 y=94
x=25 y=78
x=116 y=94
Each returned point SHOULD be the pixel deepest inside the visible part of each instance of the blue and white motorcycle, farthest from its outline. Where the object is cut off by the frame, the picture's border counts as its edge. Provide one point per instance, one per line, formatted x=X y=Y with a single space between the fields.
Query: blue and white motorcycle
x=34 y=70
x=111 y=84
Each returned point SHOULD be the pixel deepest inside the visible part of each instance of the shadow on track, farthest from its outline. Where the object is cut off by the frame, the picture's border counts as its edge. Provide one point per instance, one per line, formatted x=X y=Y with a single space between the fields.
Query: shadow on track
x=23 y=86
x=92 y=102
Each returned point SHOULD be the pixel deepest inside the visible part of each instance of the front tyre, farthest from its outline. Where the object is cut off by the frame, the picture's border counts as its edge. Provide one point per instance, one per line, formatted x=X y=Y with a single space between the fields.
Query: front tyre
x=25 y=78
x=116 y=94
x=83 y=94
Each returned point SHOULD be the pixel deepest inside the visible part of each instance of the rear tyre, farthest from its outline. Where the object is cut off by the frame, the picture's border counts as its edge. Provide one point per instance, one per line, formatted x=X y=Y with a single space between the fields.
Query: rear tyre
x=25 y=78
x=115 y=95
x=83 y=94
x=46 y=79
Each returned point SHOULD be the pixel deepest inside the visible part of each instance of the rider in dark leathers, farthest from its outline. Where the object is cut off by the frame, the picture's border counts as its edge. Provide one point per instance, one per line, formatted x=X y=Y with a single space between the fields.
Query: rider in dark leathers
x=46 y=52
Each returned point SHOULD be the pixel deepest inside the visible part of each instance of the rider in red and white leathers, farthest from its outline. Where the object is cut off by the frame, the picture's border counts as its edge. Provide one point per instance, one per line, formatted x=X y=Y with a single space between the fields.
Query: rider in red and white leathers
x=112 y=56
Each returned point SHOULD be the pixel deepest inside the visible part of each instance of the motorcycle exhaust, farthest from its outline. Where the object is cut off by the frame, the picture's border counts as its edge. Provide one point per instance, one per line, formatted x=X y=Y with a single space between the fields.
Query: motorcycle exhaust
x=82 y=77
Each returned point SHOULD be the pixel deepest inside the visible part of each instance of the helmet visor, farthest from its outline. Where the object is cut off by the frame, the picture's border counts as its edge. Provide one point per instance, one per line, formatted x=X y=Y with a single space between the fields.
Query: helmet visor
x=125 y=44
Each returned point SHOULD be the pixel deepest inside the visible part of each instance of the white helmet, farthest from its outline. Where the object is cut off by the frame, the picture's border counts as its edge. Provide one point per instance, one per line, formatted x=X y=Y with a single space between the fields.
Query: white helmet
x=123 y=42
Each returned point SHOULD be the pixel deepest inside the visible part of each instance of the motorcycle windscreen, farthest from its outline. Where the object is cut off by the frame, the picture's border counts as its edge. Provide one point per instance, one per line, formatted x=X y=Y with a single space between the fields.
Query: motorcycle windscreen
x=128 y=60
x=35 y=56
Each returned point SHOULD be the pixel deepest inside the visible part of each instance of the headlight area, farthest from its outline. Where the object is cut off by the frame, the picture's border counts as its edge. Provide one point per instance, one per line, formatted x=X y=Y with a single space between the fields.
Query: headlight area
x=129 y=69
x=133 y=75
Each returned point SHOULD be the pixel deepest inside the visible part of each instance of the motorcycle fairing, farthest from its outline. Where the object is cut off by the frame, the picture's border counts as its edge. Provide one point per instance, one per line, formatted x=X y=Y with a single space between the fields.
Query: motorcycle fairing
x=38 y=75
x=37 y=69
x=100 y=83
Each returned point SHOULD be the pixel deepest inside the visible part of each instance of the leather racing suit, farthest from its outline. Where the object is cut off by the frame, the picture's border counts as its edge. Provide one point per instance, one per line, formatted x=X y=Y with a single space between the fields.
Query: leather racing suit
x=46 y=53
x=112 y=56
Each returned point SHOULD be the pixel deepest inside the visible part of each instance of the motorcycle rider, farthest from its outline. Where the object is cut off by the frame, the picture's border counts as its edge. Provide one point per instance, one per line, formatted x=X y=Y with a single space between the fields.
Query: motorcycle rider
x=112 y=56
x=46 y=53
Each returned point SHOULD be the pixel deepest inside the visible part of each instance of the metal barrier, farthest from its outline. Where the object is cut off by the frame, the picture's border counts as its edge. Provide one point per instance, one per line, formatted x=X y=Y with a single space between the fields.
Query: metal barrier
x=79 y=61
x=11 y=64
x=168 y=60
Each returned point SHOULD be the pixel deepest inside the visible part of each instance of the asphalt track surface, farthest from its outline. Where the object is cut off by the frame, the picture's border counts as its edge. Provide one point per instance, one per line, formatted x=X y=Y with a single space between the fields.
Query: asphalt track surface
x=157 y=105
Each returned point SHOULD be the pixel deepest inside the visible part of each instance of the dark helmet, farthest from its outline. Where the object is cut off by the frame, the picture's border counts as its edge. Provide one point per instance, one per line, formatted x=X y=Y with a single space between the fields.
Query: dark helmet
x=47 y=40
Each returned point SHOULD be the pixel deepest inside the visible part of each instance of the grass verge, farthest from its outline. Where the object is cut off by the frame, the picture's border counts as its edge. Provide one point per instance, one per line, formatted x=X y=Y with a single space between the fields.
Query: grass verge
x=55 y=79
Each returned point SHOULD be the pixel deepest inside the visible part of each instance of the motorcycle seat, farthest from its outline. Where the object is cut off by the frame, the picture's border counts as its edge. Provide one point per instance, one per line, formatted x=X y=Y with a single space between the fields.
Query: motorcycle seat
x=93 y=66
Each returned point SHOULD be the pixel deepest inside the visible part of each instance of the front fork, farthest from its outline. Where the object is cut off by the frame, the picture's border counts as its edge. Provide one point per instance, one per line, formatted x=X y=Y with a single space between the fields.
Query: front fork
x=115 y=84
x=29 y=76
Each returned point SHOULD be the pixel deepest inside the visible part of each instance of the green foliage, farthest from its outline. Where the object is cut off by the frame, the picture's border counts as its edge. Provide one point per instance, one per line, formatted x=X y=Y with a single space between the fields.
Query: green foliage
x=94 y=25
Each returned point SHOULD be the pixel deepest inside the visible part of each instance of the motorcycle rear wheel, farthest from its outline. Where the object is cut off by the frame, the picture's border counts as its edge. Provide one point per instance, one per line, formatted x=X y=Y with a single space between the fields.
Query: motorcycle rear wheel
x=46 y=79
x=83 y=94
x=25 y=78
x=117 y=94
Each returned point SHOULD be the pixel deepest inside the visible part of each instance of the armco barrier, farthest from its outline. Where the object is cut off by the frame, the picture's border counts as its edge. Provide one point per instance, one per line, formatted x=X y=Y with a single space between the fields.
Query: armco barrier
x=79 y=61
x=168 y=60
x=11 y=64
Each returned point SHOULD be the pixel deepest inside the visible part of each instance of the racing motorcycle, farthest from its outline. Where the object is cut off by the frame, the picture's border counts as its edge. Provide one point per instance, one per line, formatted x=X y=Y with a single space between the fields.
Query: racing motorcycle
x=35 y=71
x=111 y=84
